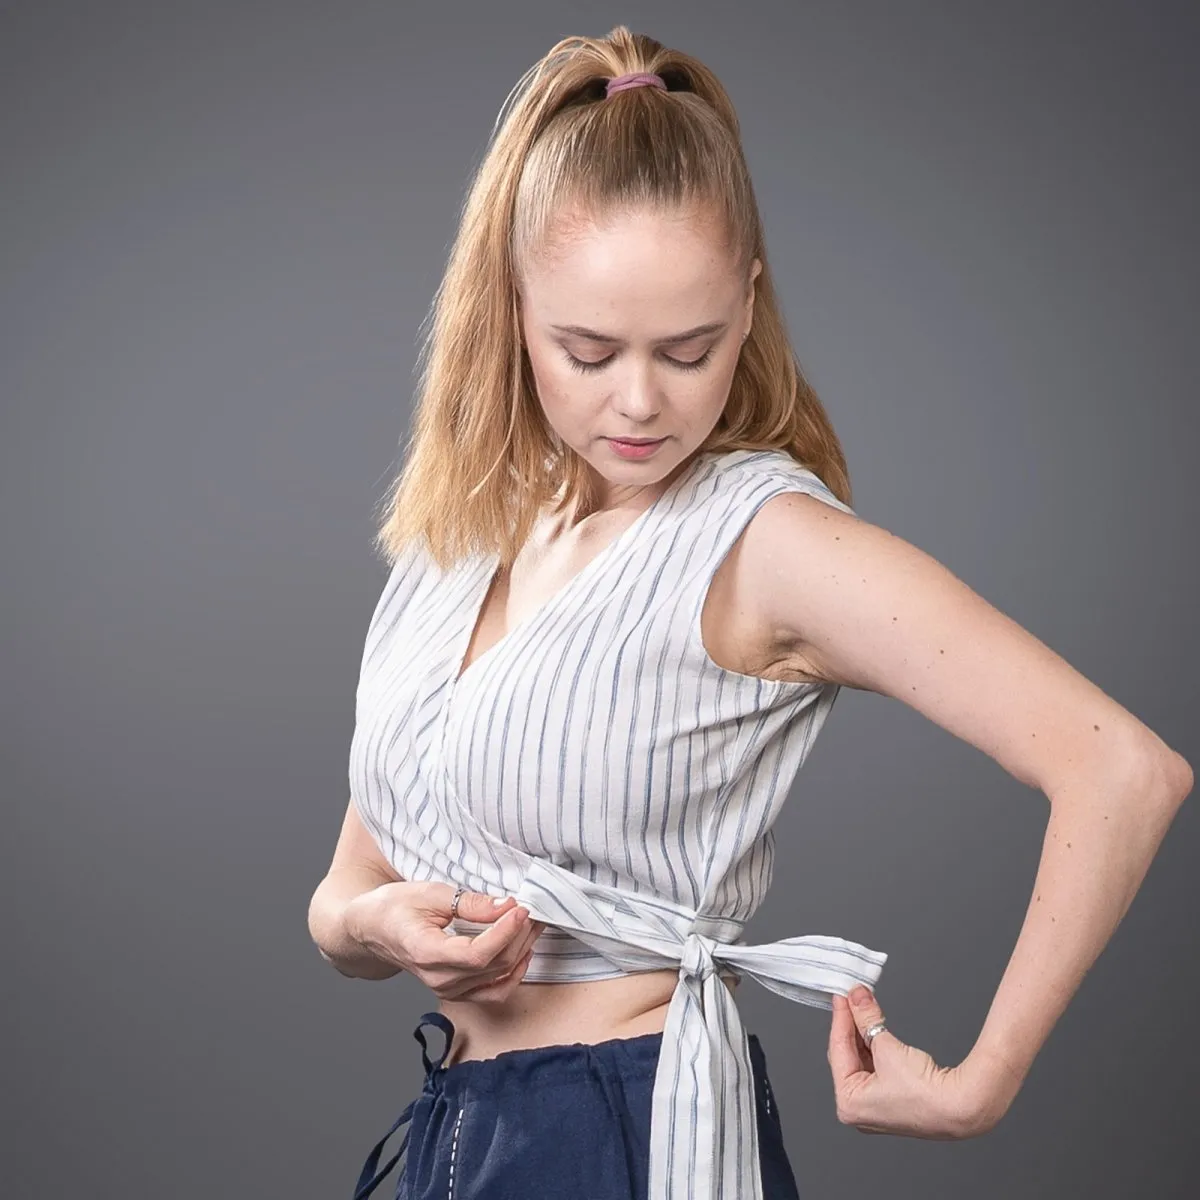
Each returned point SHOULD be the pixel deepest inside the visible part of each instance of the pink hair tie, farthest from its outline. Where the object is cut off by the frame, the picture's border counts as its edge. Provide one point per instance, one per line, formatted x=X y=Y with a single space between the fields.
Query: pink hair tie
x=635 y=79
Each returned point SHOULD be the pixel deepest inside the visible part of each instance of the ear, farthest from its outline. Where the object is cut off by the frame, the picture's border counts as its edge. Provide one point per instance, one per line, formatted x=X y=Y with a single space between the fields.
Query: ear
x=518 y=312
x=755 y=271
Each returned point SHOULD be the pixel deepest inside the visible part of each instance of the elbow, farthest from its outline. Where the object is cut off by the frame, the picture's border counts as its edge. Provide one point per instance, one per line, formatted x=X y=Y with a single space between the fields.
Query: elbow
x=1163 y=781
x=1150 y=778
x=1171 y=781
x=320 y=924
x=1180 y=777
x=1169 y=773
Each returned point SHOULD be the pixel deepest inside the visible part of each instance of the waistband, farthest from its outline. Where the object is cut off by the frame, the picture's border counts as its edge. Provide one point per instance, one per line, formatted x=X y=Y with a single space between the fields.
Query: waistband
x=524 y=1071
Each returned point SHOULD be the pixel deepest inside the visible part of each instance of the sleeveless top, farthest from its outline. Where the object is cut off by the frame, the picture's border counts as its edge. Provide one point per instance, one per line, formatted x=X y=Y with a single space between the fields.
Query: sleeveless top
x=599 y=766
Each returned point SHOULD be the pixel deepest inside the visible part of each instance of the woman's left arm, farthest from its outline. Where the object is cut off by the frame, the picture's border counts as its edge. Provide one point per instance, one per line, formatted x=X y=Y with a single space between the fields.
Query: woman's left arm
x=850 y=602
x=1108 y=815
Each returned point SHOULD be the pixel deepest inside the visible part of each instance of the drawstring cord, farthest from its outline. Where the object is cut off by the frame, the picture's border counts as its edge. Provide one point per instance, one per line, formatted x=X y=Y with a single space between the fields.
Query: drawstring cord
x=369 y=1178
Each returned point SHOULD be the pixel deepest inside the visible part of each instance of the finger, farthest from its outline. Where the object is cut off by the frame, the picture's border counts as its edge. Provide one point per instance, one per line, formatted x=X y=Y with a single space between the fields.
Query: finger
x=845 y=1055
x=500 y=939
x=476 y=952
x=501 y=968
x=525 y=942
x=865 y=1009
x=512 y=954
x=499 y=990
x=469 y=986
x=479 y=906
x=437 y=899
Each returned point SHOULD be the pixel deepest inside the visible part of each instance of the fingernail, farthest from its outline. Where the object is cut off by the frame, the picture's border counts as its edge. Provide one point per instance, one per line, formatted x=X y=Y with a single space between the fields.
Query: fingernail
x=500 y=901
x=861 y=995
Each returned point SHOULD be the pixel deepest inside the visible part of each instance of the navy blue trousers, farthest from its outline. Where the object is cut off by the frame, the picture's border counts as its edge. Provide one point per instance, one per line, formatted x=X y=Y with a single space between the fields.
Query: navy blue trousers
x=570 y=1121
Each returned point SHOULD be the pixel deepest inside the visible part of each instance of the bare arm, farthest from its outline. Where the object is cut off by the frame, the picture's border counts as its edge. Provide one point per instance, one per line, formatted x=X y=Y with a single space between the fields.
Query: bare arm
x=1104 y=830
x=357 y=867
x=370 y=923
x=849 y=602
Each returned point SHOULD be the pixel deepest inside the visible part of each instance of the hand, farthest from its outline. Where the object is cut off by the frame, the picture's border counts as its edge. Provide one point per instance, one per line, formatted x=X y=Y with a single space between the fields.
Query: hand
x=405 y=923
x=897 y=1088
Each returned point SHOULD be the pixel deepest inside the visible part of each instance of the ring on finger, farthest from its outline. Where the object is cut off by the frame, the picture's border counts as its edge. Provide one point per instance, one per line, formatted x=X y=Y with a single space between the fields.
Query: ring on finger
x=870 y=1034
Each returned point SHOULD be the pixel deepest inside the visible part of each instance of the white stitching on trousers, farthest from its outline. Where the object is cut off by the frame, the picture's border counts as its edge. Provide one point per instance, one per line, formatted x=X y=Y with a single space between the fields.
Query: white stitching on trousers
x=453 y=1153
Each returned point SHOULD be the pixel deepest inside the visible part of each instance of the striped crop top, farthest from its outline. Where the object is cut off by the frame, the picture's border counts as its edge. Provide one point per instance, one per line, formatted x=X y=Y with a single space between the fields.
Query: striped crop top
x=599 y=766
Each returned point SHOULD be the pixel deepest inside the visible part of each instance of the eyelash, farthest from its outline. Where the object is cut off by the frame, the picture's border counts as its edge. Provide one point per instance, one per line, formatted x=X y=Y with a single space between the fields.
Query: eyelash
x=587 y=368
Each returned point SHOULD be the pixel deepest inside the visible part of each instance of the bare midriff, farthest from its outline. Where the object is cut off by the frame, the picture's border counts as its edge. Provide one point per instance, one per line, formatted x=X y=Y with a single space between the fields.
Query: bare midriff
x=554 y=1014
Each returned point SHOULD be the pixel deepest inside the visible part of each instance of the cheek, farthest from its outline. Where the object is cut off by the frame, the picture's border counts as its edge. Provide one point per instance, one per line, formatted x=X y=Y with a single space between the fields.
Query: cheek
x=563 y=395
x=710 y=389
x=727 y=371
x=558 y=384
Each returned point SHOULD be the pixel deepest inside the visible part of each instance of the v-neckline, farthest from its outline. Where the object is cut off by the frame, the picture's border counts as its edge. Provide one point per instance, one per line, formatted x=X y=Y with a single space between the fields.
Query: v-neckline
x=487 y=570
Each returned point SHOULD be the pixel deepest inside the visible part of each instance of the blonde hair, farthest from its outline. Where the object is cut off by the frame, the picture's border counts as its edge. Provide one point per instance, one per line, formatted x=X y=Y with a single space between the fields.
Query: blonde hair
x=481 y=459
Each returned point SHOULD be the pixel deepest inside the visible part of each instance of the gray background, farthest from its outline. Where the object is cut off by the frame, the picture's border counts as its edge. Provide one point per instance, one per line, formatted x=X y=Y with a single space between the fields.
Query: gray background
x=222 y=225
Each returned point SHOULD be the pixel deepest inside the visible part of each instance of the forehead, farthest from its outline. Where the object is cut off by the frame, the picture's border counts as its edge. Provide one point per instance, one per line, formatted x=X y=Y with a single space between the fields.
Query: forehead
x=631 y=265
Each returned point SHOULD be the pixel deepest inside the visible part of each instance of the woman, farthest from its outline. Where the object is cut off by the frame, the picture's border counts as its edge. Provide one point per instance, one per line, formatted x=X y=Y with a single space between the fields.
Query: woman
x=626 y=586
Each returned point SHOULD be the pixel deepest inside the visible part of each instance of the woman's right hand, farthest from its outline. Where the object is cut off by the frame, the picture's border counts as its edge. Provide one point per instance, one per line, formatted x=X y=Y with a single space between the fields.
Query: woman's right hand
x=404 y=924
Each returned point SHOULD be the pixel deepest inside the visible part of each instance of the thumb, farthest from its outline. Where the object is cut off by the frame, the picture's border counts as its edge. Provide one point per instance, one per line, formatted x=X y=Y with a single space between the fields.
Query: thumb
x=844 y=1054
x=865 y=1009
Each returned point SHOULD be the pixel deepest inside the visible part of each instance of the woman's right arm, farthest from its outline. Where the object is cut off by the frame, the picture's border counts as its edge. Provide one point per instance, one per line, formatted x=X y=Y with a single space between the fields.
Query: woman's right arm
x=372 y=924
x=357 y=867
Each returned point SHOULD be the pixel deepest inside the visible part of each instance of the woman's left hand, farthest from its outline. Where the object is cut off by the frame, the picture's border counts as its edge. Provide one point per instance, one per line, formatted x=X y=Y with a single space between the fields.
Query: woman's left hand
x=896 y=1088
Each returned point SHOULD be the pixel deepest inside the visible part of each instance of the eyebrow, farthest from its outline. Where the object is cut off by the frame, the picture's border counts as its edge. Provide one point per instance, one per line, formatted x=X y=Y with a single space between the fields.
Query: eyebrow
x=675 y=338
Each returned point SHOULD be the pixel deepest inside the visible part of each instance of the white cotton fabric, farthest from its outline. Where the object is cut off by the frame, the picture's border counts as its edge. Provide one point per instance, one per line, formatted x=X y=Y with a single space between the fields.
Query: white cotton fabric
x=599 y=766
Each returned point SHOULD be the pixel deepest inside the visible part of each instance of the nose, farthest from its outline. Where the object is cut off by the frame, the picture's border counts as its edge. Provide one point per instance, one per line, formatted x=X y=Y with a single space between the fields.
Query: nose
x=638 y=400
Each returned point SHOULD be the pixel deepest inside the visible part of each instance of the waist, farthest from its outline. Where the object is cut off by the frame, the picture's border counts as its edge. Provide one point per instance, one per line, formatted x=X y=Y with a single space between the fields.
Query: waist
x=563 y=1013
x=559 y=957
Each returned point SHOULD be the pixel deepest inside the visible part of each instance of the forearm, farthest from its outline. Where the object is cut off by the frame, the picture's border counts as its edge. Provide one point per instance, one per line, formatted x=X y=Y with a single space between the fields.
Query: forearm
x=1101 y=837
x=327 y=924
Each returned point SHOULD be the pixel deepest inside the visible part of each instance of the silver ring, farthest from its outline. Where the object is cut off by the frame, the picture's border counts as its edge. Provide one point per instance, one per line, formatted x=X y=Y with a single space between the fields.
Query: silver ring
x=873 y=1032
x=460 y=891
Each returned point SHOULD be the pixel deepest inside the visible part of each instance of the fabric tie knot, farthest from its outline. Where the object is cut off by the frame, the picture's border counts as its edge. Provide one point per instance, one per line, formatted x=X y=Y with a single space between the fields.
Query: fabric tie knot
x=703 y=1125
x=698 y=958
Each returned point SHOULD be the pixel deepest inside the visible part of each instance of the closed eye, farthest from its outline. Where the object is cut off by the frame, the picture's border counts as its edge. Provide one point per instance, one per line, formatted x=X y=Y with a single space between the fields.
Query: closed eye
x=586 y=368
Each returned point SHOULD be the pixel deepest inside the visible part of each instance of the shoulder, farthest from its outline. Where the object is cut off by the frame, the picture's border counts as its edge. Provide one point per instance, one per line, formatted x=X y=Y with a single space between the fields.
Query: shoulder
x=802 y=560
x=407 y=568
x=782 y=508
x=756 y=480
x=771 y=511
